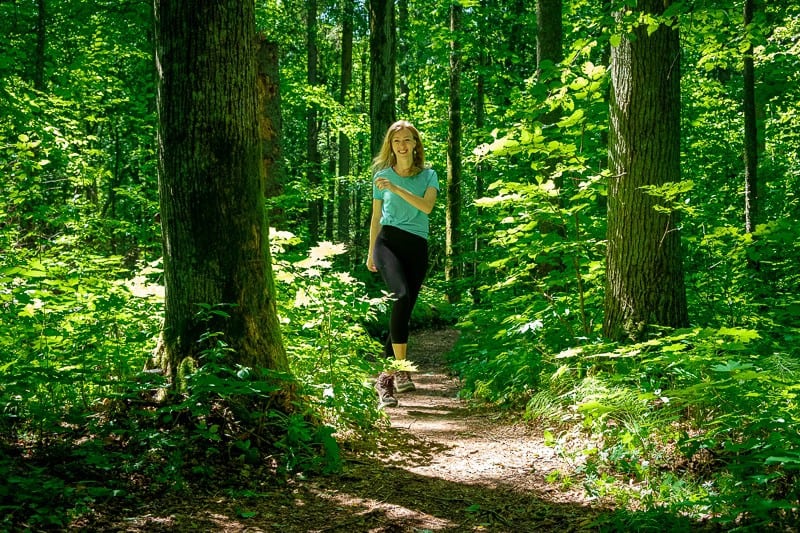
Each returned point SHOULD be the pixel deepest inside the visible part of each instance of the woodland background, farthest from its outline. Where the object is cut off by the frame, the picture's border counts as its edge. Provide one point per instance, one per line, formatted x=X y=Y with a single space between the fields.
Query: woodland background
x=691 y=412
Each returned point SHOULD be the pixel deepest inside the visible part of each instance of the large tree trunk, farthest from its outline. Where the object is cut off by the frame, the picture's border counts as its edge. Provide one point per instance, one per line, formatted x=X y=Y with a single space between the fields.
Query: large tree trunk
x=453 y=248
x=216 y=247
x=549 y=54
x=645 y=284
x=381 y=70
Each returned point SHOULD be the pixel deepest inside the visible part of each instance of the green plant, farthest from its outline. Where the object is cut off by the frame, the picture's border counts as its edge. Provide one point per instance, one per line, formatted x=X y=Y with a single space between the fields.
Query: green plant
x=325 y=312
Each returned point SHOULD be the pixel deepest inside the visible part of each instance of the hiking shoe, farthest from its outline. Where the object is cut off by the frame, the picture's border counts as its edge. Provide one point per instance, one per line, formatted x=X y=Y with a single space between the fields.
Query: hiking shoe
x=403 y=383
x=385 y=388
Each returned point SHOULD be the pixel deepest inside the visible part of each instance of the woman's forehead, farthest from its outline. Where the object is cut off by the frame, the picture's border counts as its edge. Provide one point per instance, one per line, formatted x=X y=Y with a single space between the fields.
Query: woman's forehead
x=403 y=133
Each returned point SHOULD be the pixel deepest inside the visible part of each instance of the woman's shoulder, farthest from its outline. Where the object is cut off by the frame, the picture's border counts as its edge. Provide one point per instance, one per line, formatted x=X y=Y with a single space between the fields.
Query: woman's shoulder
x=429 y=174
x=383 y=172
x=426 y=172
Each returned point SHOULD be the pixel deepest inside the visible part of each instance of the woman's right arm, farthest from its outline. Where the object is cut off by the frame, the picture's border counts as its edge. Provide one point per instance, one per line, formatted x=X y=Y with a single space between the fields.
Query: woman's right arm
x=374 y=229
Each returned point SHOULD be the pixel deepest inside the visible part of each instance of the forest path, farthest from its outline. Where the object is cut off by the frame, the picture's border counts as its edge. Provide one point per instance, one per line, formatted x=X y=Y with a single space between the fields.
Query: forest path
x=439 y=466
x=443 y=466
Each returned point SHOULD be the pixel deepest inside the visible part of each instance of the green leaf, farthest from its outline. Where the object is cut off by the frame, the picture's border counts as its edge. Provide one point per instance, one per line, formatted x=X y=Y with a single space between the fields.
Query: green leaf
x=731 y=366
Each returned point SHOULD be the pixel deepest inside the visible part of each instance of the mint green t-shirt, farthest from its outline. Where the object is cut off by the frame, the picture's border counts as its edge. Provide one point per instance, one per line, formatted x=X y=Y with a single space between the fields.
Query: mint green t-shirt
x=396 y=211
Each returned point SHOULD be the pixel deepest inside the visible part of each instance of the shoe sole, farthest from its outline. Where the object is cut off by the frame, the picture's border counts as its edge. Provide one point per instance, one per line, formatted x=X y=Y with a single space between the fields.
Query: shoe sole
x=387 y=404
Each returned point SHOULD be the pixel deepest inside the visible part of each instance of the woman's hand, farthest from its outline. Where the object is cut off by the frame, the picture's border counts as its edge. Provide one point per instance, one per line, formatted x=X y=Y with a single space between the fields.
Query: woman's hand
x=371 y=264
x=384 y=184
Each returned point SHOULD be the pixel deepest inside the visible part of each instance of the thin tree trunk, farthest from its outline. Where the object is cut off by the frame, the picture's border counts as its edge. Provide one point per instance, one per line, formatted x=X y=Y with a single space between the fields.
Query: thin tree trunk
x=331 y=193
x=382 y=70
x=41 y=45
x=453 y=251
x=644 y=268
x=403 y=31
x=344 y=189
x=480 y=123
x=314 y=168
x=269 y=125
x=750 y=131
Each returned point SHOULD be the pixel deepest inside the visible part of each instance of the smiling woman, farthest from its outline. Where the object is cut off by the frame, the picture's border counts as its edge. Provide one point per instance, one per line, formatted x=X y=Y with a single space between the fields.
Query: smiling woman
x=403 y=195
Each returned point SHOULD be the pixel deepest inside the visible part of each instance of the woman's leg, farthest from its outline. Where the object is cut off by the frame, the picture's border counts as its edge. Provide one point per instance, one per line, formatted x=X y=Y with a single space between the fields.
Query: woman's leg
x=402 y=259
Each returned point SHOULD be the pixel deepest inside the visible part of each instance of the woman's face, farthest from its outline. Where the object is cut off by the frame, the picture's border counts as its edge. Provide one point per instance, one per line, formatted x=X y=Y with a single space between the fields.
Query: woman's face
x=403 y=144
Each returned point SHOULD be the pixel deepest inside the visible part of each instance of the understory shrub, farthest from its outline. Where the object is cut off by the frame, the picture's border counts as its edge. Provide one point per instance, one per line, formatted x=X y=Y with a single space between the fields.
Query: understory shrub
x=715 y=407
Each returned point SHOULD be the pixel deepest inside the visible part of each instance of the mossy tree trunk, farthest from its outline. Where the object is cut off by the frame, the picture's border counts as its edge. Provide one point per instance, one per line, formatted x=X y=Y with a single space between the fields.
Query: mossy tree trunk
x=215 y=235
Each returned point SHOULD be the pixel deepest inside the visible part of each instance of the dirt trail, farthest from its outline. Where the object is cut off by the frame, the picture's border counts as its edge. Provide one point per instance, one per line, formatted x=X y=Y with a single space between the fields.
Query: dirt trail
x=446 y=467
x=440 y=466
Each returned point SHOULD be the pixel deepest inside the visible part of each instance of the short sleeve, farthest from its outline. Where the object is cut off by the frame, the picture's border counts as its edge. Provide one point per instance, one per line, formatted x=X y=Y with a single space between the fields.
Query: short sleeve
x=433 y=180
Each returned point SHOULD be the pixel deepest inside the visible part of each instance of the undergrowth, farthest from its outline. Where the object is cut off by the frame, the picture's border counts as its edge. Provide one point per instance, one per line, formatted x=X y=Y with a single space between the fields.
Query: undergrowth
x=79 y=425
x=691 y=427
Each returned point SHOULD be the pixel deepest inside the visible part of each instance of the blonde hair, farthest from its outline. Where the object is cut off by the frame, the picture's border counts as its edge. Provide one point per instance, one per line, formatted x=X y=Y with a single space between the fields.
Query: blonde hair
x=386 y=157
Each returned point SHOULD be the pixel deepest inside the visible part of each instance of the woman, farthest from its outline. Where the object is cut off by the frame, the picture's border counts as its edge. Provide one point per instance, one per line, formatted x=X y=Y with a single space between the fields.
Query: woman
x=404 y=193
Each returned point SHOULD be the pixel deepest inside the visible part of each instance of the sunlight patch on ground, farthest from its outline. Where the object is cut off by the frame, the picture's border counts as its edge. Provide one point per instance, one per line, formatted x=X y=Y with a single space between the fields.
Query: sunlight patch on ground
x=364 y=511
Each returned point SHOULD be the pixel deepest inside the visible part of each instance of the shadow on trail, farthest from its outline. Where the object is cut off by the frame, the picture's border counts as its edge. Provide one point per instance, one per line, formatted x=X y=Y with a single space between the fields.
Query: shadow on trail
x=370 y=496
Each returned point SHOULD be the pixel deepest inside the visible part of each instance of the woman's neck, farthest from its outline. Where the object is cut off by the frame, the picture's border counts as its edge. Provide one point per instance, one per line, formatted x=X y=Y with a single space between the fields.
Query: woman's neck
x=403 y=168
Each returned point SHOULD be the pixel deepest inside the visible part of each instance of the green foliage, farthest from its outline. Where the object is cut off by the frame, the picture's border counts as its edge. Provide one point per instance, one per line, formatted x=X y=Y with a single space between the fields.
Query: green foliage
x=325 y=312
x=698 y=422
x=542 y=248
x=716 y=407
x=72 y=336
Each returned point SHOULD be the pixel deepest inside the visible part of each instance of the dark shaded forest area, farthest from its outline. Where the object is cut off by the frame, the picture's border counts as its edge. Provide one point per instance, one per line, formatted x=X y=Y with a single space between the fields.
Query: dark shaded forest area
x=184 y=223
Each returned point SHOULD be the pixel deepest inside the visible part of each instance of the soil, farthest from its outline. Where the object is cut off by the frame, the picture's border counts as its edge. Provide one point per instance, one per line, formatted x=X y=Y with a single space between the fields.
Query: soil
x=440 y=465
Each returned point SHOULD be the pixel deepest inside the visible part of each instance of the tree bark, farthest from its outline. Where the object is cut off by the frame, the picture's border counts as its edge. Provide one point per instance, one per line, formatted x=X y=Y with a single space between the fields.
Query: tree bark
x=382 y=38
x=404 y=30
x=215 y=240
x=549 y=44
x=549 y=32
x=269 y=125
x=343 y=193
x=644 y=269
x=750 y=130
x=41 y=45
x=453 y=248
x=314 y=158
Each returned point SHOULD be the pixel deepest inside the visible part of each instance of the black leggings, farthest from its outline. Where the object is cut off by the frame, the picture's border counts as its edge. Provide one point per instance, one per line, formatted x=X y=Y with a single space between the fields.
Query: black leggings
x=402 y=259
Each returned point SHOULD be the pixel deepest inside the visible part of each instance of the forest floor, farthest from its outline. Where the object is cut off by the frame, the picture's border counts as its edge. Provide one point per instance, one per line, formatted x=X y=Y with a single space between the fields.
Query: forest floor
x=440 y=465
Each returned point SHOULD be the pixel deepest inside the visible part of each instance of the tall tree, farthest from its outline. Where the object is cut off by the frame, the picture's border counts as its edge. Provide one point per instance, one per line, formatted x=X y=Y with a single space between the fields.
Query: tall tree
x=382 y=39
x=313 y=156
x=41 y=45
x=644 y=267
x=269 y=124
x=453 y=246
x=549 y=33
x=549 y=42
x=215 y=240
x=403 y=38
x=346 y=79
x=750 y=127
